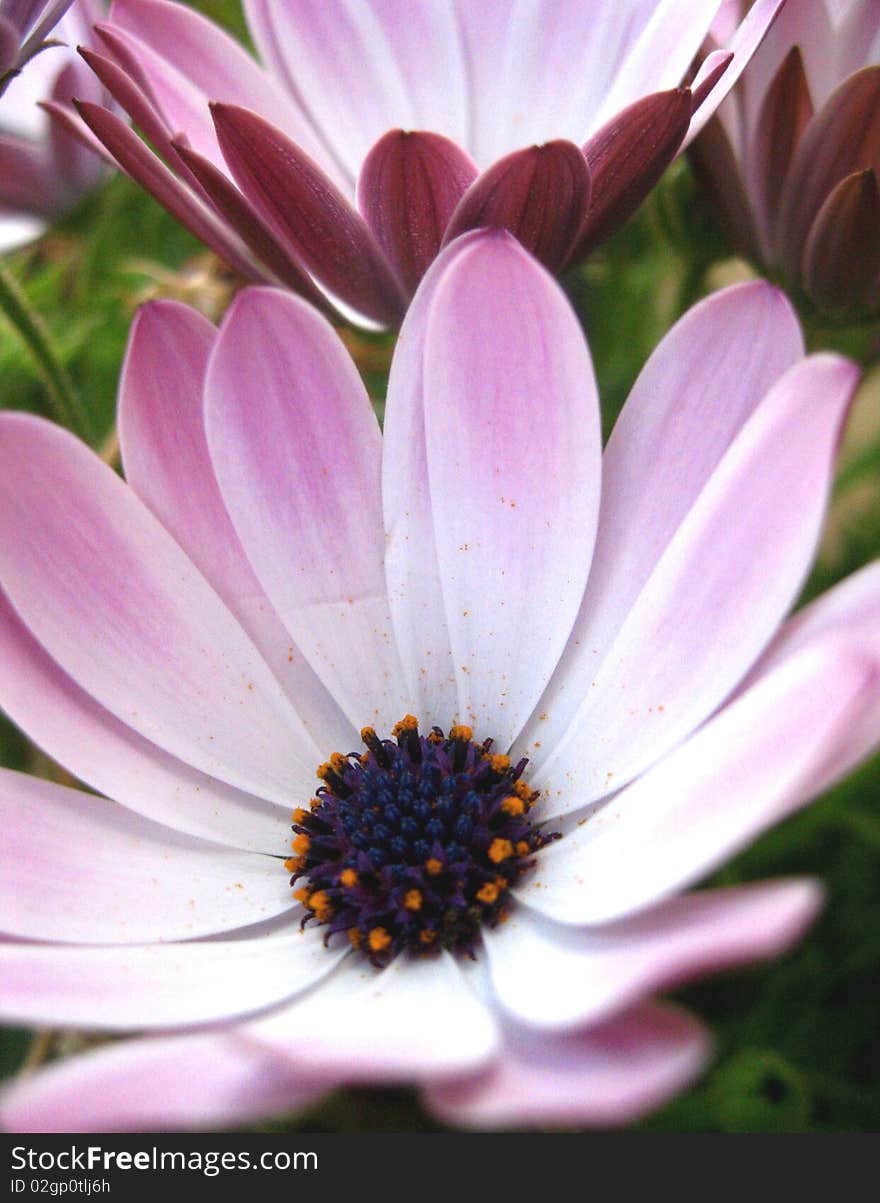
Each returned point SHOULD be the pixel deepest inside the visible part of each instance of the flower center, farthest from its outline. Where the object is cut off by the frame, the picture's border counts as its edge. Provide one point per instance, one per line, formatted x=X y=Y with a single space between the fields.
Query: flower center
x=414 y=843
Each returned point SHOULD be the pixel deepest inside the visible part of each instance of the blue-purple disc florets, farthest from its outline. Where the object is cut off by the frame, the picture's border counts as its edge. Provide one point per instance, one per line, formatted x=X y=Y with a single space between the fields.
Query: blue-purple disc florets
x=414 y=843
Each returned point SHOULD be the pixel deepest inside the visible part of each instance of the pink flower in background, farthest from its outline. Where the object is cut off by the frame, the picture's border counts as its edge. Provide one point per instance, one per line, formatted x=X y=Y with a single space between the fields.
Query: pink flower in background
x=376 y=132
x=791 y=163
x=25 y=27
x=43 y=169
x=488 y=922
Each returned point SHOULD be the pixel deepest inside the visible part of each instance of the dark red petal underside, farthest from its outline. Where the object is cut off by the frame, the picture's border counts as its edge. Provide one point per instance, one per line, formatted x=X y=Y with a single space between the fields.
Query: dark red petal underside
x=842 y=257
x=785 y=113
x=408 y=189
x=627 y=157
x=541 y=194
x=842 y=138
x=303 y=207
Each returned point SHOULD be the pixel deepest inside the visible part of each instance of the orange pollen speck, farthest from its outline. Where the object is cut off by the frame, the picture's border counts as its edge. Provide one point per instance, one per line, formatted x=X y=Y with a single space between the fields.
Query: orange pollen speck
x=348 y=877
x=500 y=850
x=378 y=939
x=301 y=843
x=413 y=900
x=488 y=893
x=513 y=805
x=433 y=866
x=499 y=762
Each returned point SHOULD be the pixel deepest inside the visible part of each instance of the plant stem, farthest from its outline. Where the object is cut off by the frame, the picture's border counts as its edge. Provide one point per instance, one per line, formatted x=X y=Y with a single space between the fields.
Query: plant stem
x=34 y=334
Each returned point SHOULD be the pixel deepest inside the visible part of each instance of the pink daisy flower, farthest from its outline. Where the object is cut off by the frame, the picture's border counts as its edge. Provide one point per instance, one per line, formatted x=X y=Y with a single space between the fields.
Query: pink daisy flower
x=488 y=920
x=374 y=133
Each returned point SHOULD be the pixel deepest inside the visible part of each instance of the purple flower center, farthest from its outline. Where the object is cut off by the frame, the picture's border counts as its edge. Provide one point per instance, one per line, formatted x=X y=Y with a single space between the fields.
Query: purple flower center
x=415 y=843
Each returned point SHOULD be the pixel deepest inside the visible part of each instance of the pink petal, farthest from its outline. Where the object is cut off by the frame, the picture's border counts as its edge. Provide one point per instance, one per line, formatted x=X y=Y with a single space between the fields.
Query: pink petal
x=166 y=460
x=549 y=976
x=296 y=449
x=513 y=528
x=362 y=69
x=702 y=618
x=109 y=756
x=687 y=410
x=412 y=573
x=152 y=986
x=418 y=1017
x=119 y=606
x=306 y=211
x=173 y=1083
x=539 y=194
x=80 y=869
x=407 y=190
x=761 y=758
x=743 y=45
x=660 y=57
x=609 y=1074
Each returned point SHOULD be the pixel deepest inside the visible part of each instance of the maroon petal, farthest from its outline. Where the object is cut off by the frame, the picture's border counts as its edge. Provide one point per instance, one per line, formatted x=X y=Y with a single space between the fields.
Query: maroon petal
x=627 y=157
x=137 y=160
x=842 y=138
x=126 y=92
x=721 y=185
x=540 y=194
x=842 y=257
x=243 y=218
x=408 y=189
x=785 y=113
x=307 y=211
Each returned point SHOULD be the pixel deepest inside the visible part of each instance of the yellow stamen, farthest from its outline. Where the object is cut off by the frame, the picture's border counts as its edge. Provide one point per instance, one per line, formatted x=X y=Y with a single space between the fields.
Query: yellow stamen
x=433 y=866
x=500 y=850
x=513 y=805
x=499 y=762
x=409 y=722
x=349 y=877
x=322 y=906
x=302 y=895
x=293 y=863
x=522 y=791
x=355 y=936
x=367 y=733
x=460 y=731
x=413 y=900
x=522 y=848
x=301 y=843
x=299 y=816
x=428 y=936
x=378 y=939
x=338 y=762
x=488 y=893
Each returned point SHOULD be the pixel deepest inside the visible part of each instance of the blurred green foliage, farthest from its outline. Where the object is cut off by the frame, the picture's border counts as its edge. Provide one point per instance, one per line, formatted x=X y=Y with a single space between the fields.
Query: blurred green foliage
x=798 y=1041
